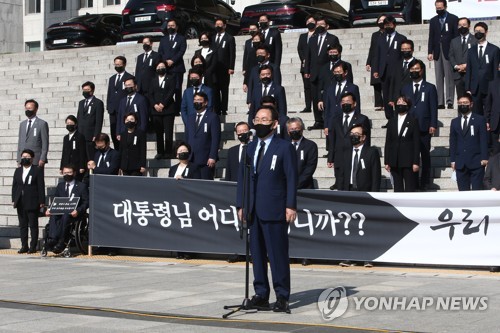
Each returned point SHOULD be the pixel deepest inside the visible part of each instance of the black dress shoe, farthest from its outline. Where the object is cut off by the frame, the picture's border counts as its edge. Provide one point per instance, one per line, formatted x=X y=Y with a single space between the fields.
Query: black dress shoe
x=333 y=187
x=450 y=106
x=440 y=106
x=259 y=302
x=23 y=250
x=325 y=156
x=494 y=269
x=306 y=262
x=306 y=110
x=224 y=113
x=383 y=126
x=281 y=305
x=233 y=258
x=58 y=249
x=31 y=251
x=316 y=126
x=158 y=156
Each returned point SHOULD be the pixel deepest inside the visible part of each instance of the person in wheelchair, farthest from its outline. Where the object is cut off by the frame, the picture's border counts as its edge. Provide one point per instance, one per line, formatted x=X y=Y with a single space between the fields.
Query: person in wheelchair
x=60 y=225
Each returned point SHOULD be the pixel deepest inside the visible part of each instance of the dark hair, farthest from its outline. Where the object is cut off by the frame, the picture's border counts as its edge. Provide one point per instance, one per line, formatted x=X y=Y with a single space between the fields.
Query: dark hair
x=131 y=114
x=310 y=17
x=266 y=67
x=264 y=15
x=179 y=144
x=147 y=37
x=381 y=15
x=72 y=118
x=28 y=151
x=102 y=137
x=268 y=99
x=337 y=47
x=263 y=46
x=69 y=166
x=466 y=95
x=195 y=71
x=319 y=17
x=444 y=2
x=201 y=94
x=122 y=58
x=199 y=56
x=89 y=84
x=220 y=19
x=417 y=61
x=363 y=128
x=390 y=19
x=482 y=25
x=241 y=123
x=32 y=101
x=205 y=33
x=405 y=99
x=347 y=94
x=261 y=37
x=173 y=20
x=274 y=113
x=465 y=18
x=342 y=64
x=162 y=62
x=409 y=41
x=131 y=78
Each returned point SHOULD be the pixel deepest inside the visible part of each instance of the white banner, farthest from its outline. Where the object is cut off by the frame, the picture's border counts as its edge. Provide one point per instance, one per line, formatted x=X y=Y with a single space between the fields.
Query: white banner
x=473 y=9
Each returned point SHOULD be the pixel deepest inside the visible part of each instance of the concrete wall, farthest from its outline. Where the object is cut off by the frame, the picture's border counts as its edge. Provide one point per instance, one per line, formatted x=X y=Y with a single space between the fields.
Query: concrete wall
x=11 y=26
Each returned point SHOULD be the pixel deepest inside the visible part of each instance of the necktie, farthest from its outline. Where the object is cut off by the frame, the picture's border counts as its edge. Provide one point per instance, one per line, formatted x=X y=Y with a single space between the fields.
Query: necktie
x=128 y=101
x=339 y=90
x=389 y=40
x=117 y=79
x=67 y=189
x=101 y=159
x=196 y=90
x=218 y=39
x=320 y=42
x=171 y=38
x=355 y=169
x=480 y=52
x=464 y=129
x=29 y=127
x=266 y=91
x=464 y=44
x=198 y=117
x=416 y=90
x=296 y=144
x=405 y=66
x=346 y=123
x=86 y=103
x=145 y=58
x=260 y=154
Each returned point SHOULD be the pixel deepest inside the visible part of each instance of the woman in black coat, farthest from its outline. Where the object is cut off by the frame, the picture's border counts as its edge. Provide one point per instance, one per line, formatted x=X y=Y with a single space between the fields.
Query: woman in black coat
x=184 y=169
x=132 y=148
x=207 y=53
x=370 y=62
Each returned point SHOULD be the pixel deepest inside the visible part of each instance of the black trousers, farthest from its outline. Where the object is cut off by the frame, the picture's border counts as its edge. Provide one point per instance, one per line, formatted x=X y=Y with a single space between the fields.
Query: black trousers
x=377 y=91
x=479 y=100
x=307 y=91
x=90 y=145
x=221 y=91
x=179 y=77
x=470 y=179
x=28 y=218
x=206 y=172
x=112 y=127
x=315 y=92
x=132 y=172
x=59 y=228
x=164 y=129
x=404 y=179
x=386 y=87
x=425 y=158
x=460 y=86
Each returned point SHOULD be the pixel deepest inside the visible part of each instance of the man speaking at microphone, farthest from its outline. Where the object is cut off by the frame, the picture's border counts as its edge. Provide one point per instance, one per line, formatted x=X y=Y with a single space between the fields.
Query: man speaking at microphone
x=272 y=205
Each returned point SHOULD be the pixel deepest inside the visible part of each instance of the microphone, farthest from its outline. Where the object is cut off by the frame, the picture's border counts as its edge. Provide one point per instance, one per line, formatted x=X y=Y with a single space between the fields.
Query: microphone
x=253 y=132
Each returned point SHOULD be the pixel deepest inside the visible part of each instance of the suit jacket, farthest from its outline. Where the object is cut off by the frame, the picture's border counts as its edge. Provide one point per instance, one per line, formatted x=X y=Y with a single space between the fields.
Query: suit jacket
x=402 y=149
x=388 y=55
x=30 y=193
x=492 y=173
x=469 y=149
x=481 y=71
x=307 y=161
x=458 y=55
x=326 y=78
x=442 y=36
x=187 y=105
x=145 y=71
x=205 y=138
x=275 y=45
x=492 y=108
x=209 y=75
x=162 y=93
x=369 y=171
x=90 y=118
x=225 y=52
x=37 y=139
x=173 y=50
x=233 y=163
x=338 y=141
x=398 y=79
x=372 y=55
x=79 y=190
x=302 y=49
x=139 y=105
x=116 y=92
x=74 y=151
x=331 y=101
x=315 y=57
x=192 y=171
x=133 y=150
x=254 y=78
x=273 y=187
x=274 y=90
x=424 y=105
x=110 y=165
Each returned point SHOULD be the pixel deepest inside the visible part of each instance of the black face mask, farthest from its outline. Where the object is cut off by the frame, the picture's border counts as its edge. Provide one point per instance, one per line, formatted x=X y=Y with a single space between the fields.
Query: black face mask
x=320 y=29
x=260 y=58
x=68 y=178
x=380 y=25
x=161 y=71
x=264 y=25
x=463 y=30
x=183 y=156
x=194 y=82
x=414 y=75
x=255 y=44
x=346 y=108
x=86 y=94
x=244 y=137
x=146 y=47
x=29 y=113
x=198 y=106
x=401 y=108
x=119 y=69
x=463 y=109
x=199 y=67
x=338 y=77
x=129 y=90
x=334 y=57
x=310 y=26
x=71 y=128
x=171 y=31
x=219 y=29
x=130 y=124
x=25 y=161
x=406 y=54
x=440 y=12
x=204 y=43
x=266 y=80
x=102 y=150
x=295 y=135
x=253 y=32
x=479 y=35
x=355 y=140
x=389 y=30
x=262 y=130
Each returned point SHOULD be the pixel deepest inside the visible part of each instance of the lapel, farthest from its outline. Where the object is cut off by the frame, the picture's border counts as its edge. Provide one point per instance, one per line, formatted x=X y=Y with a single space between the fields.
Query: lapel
x=267 y=158
x=469 y=122
x=406 y=124
x=203 y=121
x=31 y=174
x=32 y=129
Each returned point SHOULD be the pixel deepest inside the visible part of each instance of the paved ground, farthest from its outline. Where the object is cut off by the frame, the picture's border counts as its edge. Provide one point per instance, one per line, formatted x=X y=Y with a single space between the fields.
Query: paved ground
x=125 y=294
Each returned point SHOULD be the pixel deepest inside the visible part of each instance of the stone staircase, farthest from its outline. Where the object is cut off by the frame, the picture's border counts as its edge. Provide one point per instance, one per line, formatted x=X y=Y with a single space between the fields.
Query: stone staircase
x=54 y=78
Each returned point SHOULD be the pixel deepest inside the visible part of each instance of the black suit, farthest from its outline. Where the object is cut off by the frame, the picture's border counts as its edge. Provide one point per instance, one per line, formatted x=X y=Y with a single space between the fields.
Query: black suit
x=233 y=163
x=192 y=171
x=145 y=71
x=492 y=173
x=115 y=94
x=249 y=59
x=110 y=165
x=302 y=49
x=402 y=151
x=254 y=78
x=492 y=111
x=226 y=56
x=90 y=120
x=399 y=78
x=326 y=78
x=209 y=74
x=275 y=45
x=368 y=173
x=27 y=196
x=74 y=152
x=163 y=122
x=370 y=61
x=133 y=152
x=274 y=90
x=307 y=161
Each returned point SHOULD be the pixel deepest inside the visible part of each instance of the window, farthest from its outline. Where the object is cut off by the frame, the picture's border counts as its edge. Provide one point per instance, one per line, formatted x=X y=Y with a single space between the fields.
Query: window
x=33 y=6
x=113 y=20
x=32 y=46
x=112 y=2
x=58 y=5
x=86 y=3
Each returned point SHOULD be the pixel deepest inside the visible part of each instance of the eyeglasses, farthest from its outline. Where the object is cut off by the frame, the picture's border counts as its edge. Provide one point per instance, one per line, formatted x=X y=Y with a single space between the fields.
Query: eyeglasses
x=264 y=121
